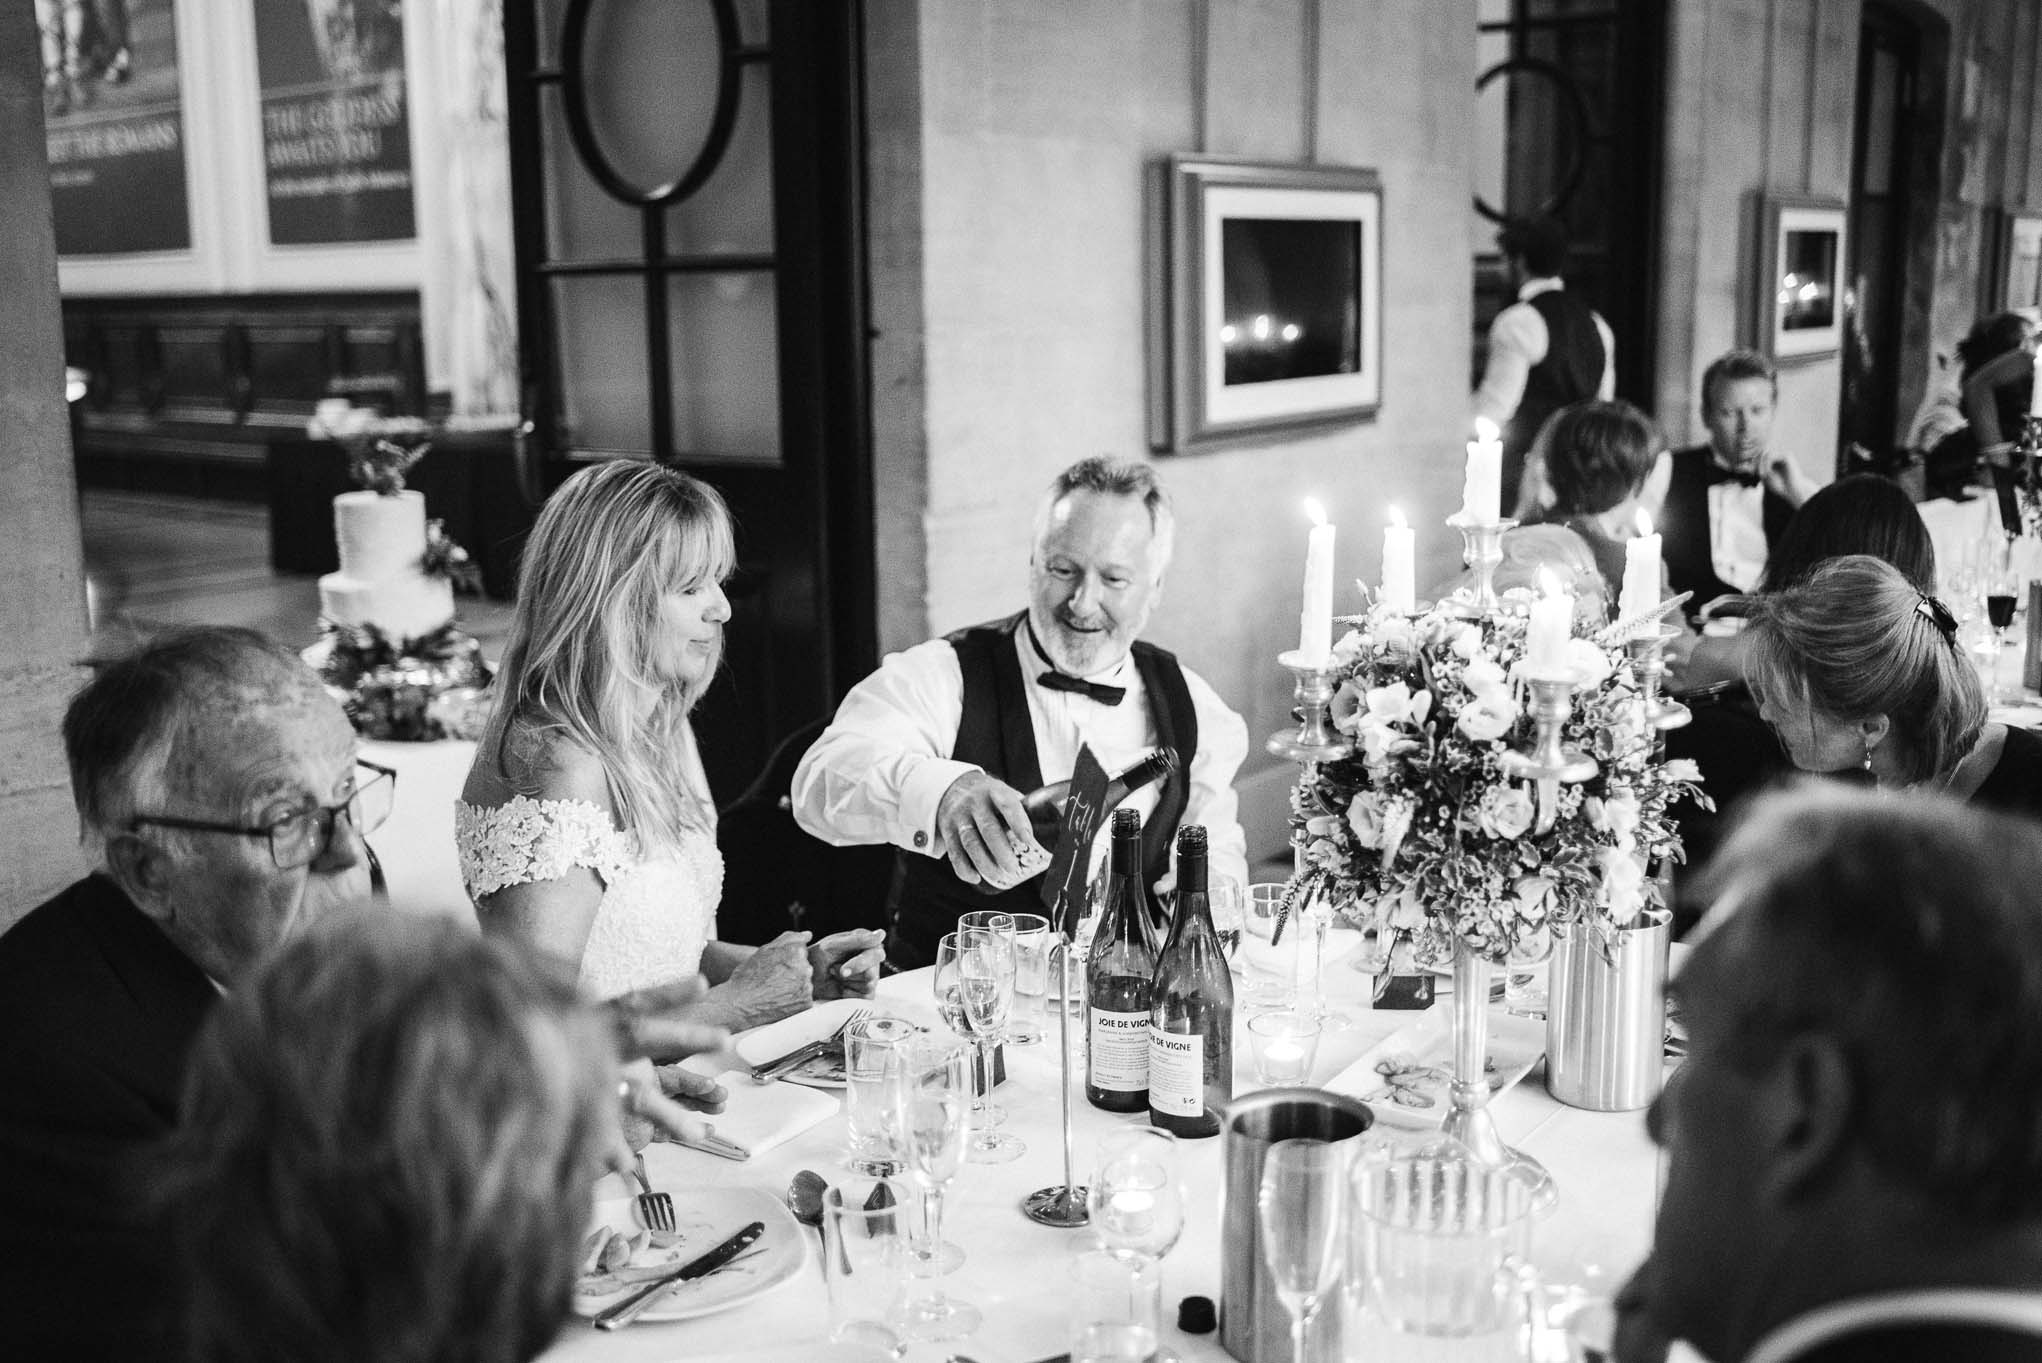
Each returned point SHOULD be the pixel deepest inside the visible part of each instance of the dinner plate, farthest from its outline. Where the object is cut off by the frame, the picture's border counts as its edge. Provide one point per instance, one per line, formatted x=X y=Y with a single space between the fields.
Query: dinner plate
x=706 y=1217
x=1420 y=1059
x=778 y=1038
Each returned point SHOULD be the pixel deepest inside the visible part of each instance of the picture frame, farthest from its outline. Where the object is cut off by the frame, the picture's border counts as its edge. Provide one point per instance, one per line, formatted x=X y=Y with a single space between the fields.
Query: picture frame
x=2020 y=260
x=1799 y=289
x=1265 y=309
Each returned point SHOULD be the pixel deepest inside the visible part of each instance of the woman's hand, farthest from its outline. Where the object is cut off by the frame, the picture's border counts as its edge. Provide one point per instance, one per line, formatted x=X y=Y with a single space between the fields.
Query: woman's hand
x=773 y=982
x=846 y=964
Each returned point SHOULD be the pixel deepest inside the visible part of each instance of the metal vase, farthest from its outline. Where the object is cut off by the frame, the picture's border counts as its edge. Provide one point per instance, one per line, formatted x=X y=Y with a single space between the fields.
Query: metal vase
x=1254 y=1323
x=1606 y=1019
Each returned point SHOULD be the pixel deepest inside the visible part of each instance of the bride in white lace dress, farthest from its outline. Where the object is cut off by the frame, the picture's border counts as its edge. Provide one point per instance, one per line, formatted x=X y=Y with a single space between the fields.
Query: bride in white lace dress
x=586 y=826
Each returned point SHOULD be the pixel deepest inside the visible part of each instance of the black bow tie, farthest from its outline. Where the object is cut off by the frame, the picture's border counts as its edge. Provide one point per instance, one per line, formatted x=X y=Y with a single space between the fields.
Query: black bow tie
x=1741 y=477
x=1078 y=686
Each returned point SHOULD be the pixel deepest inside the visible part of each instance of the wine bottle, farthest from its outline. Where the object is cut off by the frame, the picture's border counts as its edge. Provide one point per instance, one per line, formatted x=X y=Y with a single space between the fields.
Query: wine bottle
x=1117 y=978
x=1045 y=804
x=1191 y=1008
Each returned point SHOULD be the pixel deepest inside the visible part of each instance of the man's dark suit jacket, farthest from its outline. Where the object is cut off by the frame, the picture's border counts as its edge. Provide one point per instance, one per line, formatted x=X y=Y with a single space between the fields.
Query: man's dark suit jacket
x=97 y=1013
x=1684 y=527
x=1927 y=1342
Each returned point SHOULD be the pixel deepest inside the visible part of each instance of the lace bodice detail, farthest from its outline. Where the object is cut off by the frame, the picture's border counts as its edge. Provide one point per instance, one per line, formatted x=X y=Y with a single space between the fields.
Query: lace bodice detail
x=657 y=911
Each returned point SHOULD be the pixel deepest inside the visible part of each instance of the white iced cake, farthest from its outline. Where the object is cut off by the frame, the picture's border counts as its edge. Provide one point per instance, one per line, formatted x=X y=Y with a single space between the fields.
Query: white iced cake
x=382 y=581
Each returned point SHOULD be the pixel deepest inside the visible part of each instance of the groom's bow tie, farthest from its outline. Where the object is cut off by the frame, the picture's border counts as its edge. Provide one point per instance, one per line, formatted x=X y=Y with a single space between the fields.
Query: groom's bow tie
x=1078 y=686
x=1742 y=477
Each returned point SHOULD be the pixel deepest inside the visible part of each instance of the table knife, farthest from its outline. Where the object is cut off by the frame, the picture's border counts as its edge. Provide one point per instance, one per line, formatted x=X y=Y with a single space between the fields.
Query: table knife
x=800 y=1055
x=625 y=1311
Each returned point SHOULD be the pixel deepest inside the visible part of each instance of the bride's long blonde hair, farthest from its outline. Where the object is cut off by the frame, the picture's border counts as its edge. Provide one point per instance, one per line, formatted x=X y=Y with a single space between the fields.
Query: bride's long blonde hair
x=578 y=664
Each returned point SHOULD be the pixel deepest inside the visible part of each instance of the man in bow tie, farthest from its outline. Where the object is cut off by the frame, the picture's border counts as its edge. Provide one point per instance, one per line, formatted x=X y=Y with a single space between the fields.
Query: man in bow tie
x=935 y=752
x=1729 y=499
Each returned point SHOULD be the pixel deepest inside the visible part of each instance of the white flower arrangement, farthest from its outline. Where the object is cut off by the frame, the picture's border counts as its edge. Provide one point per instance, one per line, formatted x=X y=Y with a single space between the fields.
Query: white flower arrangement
x=1420 y=834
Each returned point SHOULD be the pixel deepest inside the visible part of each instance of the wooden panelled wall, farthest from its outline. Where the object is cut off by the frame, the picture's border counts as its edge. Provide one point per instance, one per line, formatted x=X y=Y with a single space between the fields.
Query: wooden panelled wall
x=1761 y=97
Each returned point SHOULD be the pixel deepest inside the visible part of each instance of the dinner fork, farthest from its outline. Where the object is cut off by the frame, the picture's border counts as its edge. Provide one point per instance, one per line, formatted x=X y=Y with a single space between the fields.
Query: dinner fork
x=801 y=1055
x=656 y=1210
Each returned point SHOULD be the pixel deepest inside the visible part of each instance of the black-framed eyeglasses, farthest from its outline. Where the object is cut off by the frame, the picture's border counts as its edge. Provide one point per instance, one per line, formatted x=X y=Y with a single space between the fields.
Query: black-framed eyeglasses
x=302 y=836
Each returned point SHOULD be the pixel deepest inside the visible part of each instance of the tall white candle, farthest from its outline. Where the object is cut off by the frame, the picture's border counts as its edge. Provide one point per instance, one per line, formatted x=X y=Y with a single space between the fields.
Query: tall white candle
x=1641 y=571
x=1315 y=621
x=1400 y=573
x=1552 y=615
x=1482 y=490
x=2034 y=397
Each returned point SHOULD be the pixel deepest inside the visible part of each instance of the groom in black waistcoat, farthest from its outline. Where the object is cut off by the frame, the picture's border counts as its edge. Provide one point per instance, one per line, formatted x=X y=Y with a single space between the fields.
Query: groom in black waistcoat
x=935 y=752
x=1729 y=500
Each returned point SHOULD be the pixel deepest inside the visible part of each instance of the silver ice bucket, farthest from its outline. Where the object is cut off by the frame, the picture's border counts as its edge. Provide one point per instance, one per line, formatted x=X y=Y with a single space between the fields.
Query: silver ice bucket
x=1606 y=1019
x=1254 y=1324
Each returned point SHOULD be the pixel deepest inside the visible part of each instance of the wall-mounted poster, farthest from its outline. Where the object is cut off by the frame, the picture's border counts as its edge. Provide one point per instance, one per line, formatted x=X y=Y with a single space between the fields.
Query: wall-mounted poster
x=336 y=136
x=115 y=125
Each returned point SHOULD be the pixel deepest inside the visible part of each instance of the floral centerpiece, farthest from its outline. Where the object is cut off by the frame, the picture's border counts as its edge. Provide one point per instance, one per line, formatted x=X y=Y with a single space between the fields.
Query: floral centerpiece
x=1421 y=834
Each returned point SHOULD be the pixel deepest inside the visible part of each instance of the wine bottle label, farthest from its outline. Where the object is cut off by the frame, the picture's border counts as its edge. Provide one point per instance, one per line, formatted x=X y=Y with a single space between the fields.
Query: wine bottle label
x=1176 y=1073
x=1120 y=1051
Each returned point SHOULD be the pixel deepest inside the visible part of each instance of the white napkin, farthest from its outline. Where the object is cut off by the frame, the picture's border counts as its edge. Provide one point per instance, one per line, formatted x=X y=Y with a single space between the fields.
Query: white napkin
x=761 y=1116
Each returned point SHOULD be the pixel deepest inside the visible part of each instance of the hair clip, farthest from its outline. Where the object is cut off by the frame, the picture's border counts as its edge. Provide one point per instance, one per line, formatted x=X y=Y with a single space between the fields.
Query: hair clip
x=1937 y=614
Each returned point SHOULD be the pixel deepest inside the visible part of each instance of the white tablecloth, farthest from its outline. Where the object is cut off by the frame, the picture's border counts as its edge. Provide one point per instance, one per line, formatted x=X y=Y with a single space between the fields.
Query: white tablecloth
x=1606 y=1169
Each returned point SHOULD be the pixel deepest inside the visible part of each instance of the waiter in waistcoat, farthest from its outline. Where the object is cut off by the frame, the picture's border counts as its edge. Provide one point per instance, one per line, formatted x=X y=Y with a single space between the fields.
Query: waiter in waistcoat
x=1546 y=350
x=935 y=751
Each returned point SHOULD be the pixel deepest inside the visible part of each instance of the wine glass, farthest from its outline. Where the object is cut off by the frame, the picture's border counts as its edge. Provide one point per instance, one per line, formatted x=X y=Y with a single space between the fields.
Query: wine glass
x=2001 y=597
x=932 y=1095
x=1313 y=919
x=1229 y=916
x=985 y=982
x=1300 y=1211
x=1136 y=1197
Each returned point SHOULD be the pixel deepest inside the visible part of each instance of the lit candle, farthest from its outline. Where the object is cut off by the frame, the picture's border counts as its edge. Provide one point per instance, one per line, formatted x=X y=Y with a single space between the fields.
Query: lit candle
x=1283 y=1055
x=1400 y=592
x=1641 y=571
x=2035 y=395
x=1482 y=491
x=1315 y=621
x=1552 y=615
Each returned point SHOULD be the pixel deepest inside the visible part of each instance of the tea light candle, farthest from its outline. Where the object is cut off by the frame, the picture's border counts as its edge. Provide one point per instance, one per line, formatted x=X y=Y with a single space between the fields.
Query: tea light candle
x=1482 y=489
x=1399 y=564
x=1641 y=571
x=1315 y=621
x=1552 y=615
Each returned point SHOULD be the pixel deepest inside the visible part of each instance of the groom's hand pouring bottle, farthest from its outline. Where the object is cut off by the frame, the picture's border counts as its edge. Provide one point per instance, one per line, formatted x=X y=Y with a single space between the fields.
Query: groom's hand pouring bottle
x=1117 y=976
x=1191 y=1008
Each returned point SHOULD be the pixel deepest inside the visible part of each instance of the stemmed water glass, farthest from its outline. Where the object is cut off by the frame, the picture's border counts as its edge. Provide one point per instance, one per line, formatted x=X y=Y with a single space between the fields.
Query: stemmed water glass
x=932 y=1098
x=1300 y=1212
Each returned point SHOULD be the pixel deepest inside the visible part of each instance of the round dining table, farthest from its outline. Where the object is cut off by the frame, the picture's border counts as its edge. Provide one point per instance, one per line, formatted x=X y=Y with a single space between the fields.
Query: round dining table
x=1605 y=1168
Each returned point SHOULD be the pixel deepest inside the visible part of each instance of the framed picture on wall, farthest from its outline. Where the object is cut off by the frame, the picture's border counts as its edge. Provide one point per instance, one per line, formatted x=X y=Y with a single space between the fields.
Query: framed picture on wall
x=2021 y=261
x=1799 y=298
x=1265 y=307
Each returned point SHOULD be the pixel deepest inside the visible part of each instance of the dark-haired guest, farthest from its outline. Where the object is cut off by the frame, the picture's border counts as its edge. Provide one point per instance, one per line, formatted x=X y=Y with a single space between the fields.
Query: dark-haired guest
x=1594 y=461
x=1858 y=669
x=388 y=1146
x=1853 y=1146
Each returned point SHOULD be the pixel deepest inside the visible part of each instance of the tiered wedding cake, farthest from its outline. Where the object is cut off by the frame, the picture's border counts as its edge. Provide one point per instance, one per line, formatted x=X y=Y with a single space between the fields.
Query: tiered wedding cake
x=382 y=582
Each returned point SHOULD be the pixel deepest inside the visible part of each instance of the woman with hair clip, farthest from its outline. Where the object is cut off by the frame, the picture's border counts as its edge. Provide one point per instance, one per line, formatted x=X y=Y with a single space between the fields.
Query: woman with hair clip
x=1858 y=670
x=586 y=827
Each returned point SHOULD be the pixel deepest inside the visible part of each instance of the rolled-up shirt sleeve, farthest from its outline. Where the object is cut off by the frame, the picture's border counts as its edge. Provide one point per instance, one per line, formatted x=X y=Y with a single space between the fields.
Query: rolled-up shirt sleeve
x=1212 y=800
x=1517 y=341
x=879 y=770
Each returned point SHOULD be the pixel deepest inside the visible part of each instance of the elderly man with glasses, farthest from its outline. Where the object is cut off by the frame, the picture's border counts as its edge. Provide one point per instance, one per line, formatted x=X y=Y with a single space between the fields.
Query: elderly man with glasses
x=223 y=807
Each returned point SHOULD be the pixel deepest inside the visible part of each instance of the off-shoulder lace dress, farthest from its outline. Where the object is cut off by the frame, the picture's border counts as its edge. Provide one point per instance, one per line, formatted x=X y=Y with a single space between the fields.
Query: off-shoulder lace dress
x=656 y=912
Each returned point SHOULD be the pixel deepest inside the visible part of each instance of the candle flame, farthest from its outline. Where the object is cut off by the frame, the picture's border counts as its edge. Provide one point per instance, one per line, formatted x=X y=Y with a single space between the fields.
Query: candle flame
x=1549 y=585
x=1644 y=523
x=1486 y=430
x=1315 y=510
x=1397 y=518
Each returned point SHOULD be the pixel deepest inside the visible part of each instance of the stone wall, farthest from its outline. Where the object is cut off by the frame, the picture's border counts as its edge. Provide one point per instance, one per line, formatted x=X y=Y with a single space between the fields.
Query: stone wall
x=42 y=594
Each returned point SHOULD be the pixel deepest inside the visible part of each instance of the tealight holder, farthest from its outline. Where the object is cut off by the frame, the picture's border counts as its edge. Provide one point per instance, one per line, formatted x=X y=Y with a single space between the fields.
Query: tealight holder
x=1482 y=550
x=1282 y=1046
x=1547 y=760
x=1648 y=664
x=1315 y=739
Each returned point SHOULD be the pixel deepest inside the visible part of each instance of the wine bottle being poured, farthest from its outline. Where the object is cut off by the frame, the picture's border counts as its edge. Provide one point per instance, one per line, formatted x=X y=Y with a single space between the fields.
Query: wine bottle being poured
x=1045 y=803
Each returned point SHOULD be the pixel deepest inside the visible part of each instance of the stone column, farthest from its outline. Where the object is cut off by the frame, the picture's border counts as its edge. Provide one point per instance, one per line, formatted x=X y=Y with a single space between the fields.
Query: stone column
x=42 y=575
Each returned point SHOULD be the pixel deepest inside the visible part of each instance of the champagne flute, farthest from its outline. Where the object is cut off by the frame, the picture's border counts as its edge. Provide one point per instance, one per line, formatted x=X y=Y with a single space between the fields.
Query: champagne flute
x=1229 y=916
x=932 y=1096
x=985 y=982
x=1303 y=1201
x=988 y=1114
